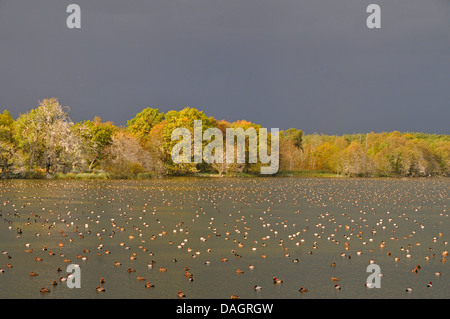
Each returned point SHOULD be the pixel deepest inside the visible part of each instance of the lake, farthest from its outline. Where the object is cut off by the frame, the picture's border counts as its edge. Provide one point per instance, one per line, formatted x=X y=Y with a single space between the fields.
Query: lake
x=230 y=234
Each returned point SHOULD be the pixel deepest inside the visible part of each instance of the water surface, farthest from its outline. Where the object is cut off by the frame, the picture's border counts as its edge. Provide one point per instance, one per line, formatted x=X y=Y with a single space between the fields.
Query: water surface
x=291 y=228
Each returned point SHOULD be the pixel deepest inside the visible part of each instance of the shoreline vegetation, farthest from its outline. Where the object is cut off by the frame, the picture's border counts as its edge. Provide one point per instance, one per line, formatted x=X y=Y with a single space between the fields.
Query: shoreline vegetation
x=45 y=144
x=147 y=176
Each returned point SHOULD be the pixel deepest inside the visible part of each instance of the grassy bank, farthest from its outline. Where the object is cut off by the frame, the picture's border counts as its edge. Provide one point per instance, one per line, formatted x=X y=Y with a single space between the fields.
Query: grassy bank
x=141 y=176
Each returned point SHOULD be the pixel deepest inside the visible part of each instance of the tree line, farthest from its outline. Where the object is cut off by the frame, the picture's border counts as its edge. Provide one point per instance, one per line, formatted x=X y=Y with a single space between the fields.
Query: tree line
x=45 y=142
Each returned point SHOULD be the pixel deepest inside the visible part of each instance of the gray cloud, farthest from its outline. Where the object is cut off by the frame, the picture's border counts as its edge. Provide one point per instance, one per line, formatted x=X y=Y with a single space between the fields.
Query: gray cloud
x=313 y=65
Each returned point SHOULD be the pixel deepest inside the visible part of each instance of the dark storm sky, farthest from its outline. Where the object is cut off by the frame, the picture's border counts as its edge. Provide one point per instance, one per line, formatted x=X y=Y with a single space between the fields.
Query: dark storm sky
x=312 y=65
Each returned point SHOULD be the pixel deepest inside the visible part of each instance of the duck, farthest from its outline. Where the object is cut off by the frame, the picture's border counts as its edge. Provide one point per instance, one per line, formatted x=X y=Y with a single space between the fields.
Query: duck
x=257 y=288
x=181 y=294
x=33 y=274
x=337 y=287
x=238 y=271
x=437 y=274
x=369 y=285
x=44 y=290
x=102 y=280
x=409 y=289
x=277 y=280
x=100 y=289
x=131 y=270
x=149 y=285
x=234 y=296
x=430 y=284
x=334 y=278
x=140 y=278
x=303 y=289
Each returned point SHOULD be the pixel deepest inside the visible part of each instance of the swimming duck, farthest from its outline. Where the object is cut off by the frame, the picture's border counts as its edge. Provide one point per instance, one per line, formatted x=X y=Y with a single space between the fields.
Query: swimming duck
x=257 y=288
x=303 y=289
x=337 y=287
x=369 y=285
x=181 y=294
x=100 y=289
x=44 y=290
x=149 y=285
x=277 y=280
x=429 y=285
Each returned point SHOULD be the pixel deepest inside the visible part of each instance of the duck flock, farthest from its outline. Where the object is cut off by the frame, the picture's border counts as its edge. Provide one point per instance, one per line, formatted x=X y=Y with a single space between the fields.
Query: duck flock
x=225 y=238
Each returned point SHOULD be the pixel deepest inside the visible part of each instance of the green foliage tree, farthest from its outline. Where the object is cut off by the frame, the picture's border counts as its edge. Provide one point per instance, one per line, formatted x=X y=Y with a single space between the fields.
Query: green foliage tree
x=96 y=136
x=142 y=124
x=8 y=154
x=177 y=119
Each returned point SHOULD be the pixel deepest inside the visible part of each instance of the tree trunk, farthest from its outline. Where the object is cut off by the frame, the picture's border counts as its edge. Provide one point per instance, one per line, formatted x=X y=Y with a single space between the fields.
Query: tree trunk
x=30 y=165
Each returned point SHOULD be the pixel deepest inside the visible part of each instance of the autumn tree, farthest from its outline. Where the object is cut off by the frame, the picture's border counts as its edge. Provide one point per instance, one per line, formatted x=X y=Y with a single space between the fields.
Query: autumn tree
x=291 y=144
x=183 y=119
x=8 y=153
x=143 y=122
x=45 y=134
x=96 y=136
x=125 y=156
